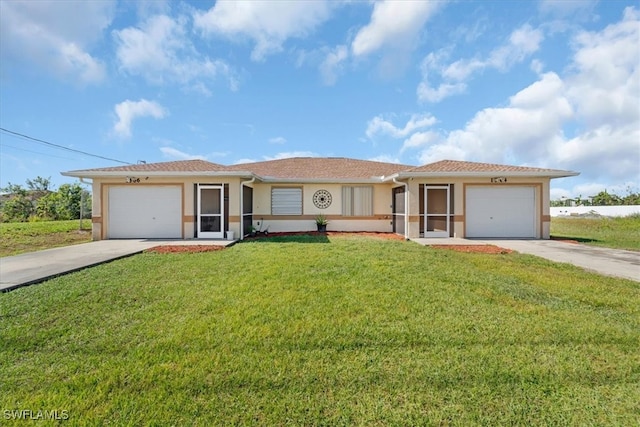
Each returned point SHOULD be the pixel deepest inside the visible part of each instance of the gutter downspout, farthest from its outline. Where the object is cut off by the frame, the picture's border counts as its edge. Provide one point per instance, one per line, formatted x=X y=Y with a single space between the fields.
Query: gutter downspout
x=242 y=184
x=406 y=207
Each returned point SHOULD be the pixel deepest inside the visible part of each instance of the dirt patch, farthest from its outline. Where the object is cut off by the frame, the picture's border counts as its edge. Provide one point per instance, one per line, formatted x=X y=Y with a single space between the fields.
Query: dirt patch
x=479 y=249
x=172 y=249
x=560 y=239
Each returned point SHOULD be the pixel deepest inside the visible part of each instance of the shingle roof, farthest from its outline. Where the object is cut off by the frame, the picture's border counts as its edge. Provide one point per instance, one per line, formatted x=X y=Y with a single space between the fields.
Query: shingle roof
x=320 y=168
x=317 y=168
x=452 y=166
x=176 y=166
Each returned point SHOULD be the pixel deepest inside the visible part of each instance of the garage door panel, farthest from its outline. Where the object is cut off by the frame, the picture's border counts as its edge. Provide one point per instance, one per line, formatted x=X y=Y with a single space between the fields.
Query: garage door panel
x=145 y=212
x=500 y=212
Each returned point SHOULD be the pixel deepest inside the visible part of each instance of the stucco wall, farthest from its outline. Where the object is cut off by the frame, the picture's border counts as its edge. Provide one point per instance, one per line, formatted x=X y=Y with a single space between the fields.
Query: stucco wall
x=100 y=204
x=263 y=218
x=541 y=186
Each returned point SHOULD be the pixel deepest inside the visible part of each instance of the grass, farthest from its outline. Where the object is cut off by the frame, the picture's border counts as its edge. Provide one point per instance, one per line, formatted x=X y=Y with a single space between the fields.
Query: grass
x=619 y=233
x=340 y=330
x=20 y=237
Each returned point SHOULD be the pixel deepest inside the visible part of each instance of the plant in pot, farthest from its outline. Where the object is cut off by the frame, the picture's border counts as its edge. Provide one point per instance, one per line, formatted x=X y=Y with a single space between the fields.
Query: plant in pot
x=321 y=223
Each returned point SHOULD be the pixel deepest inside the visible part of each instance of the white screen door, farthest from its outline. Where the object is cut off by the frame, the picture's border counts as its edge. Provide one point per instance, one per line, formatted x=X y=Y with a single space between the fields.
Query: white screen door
x=210 y=211
x=436 y=211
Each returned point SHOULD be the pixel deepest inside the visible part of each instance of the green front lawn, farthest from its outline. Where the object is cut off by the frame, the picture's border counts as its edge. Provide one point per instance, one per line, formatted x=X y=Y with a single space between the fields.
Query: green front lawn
x=20 y=237
x=325 y=331
x=619 y=233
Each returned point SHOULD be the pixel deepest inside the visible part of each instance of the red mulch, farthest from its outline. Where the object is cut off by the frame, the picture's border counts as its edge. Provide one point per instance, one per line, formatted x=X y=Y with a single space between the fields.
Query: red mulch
x=480 y=249
x=172 y=249
x=485 y=249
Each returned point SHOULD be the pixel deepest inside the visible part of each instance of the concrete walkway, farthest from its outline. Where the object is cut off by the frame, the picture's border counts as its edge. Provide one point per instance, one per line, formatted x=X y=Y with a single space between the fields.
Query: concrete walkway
x=610 y=262
x=35 y=267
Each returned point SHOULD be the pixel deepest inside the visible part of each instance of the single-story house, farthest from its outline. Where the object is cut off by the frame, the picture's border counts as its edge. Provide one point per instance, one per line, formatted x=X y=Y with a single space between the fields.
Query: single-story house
x=199 y=199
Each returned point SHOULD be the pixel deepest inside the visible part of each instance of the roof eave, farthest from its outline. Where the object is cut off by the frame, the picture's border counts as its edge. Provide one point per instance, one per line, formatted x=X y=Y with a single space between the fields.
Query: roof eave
x=541 y=174
x=276 y=180
x=119 y=174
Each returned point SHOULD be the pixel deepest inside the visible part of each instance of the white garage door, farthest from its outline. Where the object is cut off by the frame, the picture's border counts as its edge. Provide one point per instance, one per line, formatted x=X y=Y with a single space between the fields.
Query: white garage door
x=500 y=212
x=145 y=212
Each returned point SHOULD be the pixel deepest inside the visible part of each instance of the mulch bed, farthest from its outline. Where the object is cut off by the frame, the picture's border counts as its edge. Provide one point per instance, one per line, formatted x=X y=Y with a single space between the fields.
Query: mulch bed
x=170 y=249
x=484 y=249
x=479 y=249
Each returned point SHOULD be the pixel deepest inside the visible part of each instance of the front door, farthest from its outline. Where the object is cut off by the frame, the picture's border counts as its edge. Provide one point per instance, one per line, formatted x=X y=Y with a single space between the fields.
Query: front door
x=437 y=211
x=210 y=211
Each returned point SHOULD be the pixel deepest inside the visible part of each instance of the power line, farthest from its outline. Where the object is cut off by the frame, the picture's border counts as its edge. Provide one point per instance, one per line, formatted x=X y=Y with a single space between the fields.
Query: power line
x=27 y=137
x=2 y=144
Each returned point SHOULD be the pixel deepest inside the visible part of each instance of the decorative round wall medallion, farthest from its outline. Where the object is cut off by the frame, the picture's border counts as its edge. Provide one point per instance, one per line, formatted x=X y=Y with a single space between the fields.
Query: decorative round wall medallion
x=322 y=199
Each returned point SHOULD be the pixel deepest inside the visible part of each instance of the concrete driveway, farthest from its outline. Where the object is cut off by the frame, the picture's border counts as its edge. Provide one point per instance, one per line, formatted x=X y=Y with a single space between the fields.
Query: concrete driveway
x=610 y=262
x=35 y=267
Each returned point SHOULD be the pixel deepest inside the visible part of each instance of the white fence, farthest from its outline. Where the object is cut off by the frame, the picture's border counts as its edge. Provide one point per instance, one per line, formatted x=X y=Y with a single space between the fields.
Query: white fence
x=599 y=210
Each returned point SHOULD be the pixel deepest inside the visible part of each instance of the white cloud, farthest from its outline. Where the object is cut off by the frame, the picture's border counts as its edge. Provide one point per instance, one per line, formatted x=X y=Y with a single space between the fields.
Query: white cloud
x=333 y=63
x=419 y=139
x=525 y=128
x=385 y=158
x=267 y=24
x=378 y=125
x=522 y=43
x=587 y=120
x=55 y=35
x=289 y=154
x=277 y=140
x=393 y=24
x=172 y=153
x=127 y=111
x=160 y=51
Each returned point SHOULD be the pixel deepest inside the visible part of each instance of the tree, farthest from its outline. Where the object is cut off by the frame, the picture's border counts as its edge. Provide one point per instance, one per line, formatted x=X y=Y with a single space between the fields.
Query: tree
x=605 y=199
x=39 y=186
x=631 y=198
x=18 y=205
x=70 y=198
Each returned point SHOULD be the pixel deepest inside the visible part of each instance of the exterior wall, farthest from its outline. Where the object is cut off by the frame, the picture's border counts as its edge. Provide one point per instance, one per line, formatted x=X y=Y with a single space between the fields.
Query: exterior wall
x=541 y=186
x=380 y=221
x=263 y=218
x=100 y=207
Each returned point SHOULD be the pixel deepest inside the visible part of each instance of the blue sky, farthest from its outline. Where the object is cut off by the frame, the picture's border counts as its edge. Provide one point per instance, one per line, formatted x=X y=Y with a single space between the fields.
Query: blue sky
x=535 y=83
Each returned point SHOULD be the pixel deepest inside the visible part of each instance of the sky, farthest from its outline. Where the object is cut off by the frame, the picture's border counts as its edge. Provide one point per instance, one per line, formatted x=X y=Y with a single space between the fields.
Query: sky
x=533 y=83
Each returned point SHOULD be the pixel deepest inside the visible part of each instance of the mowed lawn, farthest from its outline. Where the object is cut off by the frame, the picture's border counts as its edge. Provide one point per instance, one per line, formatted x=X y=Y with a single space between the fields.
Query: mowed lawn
x=21 y=237
x=340 y=330
x=610 y=232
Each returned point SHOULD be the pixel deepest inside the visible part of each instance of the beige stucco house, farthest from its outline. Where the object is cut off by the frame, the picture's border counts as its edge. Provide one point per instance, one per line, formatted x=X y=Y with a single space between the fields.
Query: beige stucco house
x=194 y=199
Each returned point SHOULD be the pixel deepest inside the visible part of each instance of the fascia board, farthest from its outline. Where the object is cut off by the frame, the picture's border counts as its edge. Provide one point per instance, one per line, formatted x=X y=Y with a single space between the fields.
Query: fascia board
x=559 y=174
x=274 y=180
x=116 y=174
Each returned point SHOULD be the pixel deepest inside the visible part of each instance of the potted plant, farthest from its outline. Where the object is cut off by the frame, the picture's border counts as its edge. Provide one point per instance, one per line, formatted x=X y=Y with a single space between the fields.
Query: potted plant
x=321 y=223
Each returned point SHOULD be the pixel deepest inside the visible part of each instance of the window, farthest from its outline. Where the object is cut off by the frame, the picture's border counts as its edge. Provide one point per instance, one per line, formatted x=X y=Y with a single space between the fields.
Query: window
x=286 y=201
x=357 y=201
